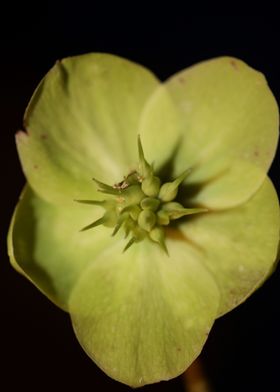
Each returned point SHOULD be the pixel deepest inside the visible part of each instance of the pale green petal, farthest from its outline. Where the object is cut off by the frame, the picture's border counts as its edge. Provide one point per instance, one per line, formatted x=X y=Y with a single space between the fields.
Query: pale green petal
x=143 y=316
x=45 y=244
x=82 y=122
x=160 y=129
x=224 y=120
x=238 y=246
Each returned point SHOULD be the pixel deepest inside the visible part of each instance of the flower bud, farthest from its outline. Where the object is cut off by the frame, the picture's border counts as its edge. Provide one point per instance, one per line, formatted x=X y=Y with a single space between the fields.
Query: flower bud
x=163 y=218
x=132 y=195
x=134 y=212
x=149 y=203
x=169 y=190
x=157 y=235
x=171 y=206
x=146 y=220
x=176 y=210
x=151 y=186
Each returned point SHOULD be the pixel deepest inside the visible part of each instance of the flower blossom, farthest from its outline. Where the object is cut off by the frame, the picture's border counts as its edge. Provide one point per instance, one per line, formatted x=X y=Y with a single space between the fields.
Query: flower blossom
x=177 y=168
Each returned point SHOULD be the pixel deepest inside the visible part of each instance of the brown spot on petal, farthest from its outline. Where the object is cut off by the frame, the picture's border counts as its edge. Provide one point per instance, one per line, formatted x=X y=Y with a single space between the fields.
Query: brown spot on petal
x=36 y=167
x=181 y=79
x=44 y=136
x=234 y=65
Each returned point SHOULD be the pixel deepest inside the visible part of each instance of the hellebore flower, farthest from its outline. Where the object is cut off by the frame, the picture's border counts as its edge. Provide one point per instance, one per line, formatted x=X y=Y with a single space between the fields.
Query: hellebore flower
x=180 y=169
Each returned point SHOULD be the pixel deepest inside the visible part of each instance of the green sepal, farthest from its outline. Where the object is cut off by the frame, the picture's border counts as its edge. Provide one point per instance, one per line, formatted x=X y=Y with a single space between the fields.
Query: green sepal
x=220 y=118
x=82 y=122
x=143 y=316
x=239 y=245
x=46 y=246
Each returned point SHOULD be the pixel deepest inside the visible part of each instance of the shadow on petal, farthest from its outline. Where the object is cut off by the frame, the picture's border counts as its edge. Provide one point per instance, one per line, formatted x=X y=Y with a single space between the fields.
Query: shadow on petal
x=22 y=245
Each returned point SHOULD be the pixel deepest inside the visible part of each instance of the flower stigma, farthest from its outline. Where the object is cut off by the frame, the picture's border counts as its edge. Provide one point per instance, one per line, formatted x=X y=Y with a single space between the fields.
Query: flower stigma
x=142 y=206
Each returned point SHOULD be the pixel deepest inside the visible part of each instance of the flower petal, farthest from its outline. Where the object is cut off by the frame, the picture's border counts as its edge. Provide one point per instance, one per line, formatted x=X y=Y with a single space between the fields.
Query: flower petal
x=143 y=316
x=239 y=246
x=45 y=244
x=224 y=119
x=82 y=122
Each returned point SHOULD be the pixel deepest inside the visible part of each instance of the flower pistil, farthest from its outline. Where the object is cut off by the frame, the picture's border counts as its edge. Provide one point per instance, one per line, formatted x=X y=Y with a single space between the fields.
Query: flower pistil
x=141 y=205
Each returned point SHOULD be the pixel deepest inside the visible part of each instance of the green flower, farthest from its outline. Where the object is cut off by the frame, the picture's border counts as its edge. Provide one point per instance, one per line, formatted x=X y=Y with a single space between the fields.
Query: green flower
x=207 y=137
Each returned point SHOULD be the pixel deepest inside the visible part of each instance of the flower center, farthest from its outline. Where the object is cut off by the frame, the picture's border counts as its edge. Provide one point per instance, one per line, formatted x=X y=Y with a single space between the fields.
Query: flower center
x=141 y=205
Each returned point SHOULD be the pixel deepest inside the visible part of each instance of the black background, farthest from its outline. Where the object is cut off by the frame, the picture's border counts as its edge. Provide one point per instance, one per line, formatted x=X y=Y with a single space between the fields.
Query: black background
x=38 y=349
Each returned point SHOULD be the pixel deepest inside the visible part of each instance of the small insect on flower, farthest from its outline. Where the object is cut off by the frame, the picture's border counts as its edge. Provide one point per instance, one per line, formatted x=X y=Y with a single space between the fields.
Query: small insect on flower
x=174 y=244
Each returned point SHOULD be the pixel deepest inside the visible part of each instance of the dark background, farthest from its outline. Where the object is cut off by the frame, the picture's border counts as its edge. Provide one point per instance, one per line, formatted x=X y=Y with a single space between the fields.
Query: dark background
x=38 y=349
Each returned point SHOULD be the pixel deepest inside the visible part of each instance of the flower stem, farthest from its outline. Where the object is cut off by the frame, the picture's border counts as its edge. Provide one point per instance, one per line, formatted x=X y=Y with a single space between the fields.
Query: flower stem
x=194 y=378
